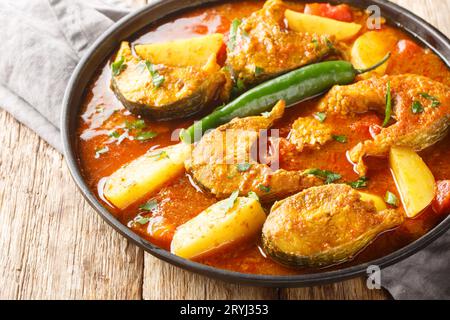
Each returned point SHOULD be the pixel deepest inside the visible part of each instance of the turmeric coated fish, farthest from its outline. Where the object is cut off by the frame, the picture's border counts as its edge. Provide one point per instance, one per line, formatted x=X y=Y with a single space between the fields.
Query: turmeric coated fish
x=323 y=226
x=224 y=161
x=420 y=112
x=262 y=47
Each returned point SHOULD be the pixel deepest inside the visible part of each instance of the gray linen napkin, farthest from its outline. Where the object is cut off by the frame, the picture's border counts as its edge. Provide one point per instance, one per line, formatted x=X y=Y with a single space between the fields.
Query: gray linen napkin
x=42 y=41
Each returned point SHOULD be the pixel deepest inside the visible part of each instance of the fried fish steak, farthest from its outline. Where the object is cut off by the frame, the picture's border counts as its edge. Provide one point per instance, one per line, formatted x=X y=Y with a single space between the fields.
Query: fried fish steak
x=324 y=225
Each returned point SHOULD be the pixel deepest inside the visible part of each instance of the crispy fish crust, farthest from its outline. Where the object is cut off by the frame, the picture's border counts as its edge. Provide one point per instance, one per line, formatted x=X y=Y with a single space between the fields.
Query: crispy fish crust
x=264 y=47
x=309 y=133
x=417 y=130
x=324 y=225
x=221 y=162
x=185 y=90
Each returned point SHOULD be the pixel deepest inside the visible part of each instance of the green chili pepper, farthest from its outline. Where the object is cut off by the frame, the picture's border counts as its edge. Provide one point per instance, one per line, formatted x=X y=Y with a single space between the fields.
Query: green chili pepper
x=292 y=87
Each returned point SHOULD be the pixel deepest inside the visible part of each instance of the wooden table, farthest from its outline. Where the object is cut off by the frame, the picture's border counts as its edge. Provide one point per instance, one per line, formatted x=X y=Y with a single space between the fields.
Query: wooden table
x=53 y=245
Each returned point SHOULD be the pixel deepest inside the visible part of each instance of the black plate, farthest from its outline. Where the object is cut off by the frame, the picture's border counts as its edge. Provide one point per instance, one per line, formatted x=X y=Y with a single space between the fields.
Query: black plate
x=133 y=23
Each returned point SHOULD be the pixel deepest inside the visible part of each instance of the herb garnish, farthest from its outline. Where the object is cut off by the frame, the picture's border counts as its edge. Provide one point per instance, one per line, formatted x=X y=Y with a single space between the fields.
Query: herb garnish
x=391 y=199
x=149 y=205
x=320 y=116
x=264 y=188
x=141 y=220
x=233 y=33
x=118 y=66
x=315 y=42
x=146 y=135
x=137 y=124
x=388 y=112
x=434 y=101
x=253 y=195
x=328 y=176
x=101 y=151
x=114 y=134
x=157 y=79
x=359 y=184
x=258 y=70
x=341 y=139
x=417 y=107
x=242 y=167
x=229 y=203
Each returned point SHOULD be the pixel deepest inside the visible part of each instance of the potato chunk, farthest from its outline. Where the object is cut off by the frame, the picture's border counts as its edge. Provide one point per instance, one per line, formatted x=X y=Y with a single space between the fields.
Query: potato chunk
x=414 y=180
x=322 y=26
x=218 y=226
x=182 y=53
x=145 y=175
x=371 y=48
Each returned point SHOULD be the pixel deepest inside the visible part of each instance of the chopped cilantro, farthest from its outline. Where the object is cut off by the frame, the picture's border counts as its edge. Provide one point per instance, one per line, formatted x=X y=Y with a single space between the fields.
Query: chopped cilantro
x=341 y=139
x=242 y=167
x=233 y=33
x=320 y=116
x=146 y=135
x=359 y=184
x=391 y=199
x=253 y=195
x=229 y=203
x=264 y=188
x=157 y=79
x=137 y=124
x=100 y=151
x=258 y=70
x=149 y=205
x=328 y=176
x=417 y=107
x=434 y=101
x=118 y=66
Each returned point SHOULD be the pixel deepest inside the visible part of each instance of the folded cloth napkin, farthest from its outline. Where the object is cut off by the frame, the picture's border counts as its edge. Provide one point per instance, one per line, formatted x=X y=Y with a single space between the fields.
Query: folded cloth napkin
x=42 y=41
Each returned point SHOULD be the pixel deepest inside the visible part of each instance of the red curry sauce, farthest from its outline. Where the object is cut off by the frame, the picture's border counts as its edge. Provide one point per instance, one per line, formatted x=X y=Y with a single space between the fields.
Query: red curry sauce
x=181 y=200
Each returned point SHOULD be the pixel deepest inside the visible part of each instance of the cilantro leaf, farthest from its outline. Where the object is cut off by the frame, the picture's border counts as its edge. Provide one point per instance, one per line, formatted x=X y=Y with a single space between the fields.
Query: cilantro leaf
x=151 y=205
x=146 y=135
x=326 y=175
x=229 y=203
x=391 y=199
x=233 y=33
x=264 y=188
x=417 y=107
x=341 y=139
x=101 y=151
x=242 y=167
x=157 y=79
x=137 y=124
x=359 y=184
x=320 y=116
x=118 y=66
x=434 y=101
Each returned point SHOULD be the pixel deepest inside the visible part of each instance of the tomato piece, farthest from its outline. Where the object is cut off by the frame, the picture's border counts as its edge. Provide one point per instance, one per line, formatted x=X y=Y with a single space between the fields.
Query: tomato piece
x=200 y=29
x=407 y=48
x=340 y=12
x=441 y=204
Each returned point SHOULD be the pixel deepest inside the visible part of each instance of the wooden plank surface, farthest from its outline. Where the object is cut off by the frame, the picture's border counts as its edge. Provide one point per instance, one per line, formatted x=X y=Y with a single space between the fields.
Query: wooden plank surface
x=53 y=245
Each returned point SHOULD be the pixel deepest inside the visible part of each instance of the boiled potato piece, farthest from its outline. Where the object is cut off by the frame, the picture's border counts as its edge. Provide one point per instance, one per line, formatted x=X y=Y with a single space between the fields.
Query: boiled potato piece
x=414 y=180
x=379 y=203
x=182 y=53
x=319 y=25
x=371 y=48
x=145 y=175
x=217 y=226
